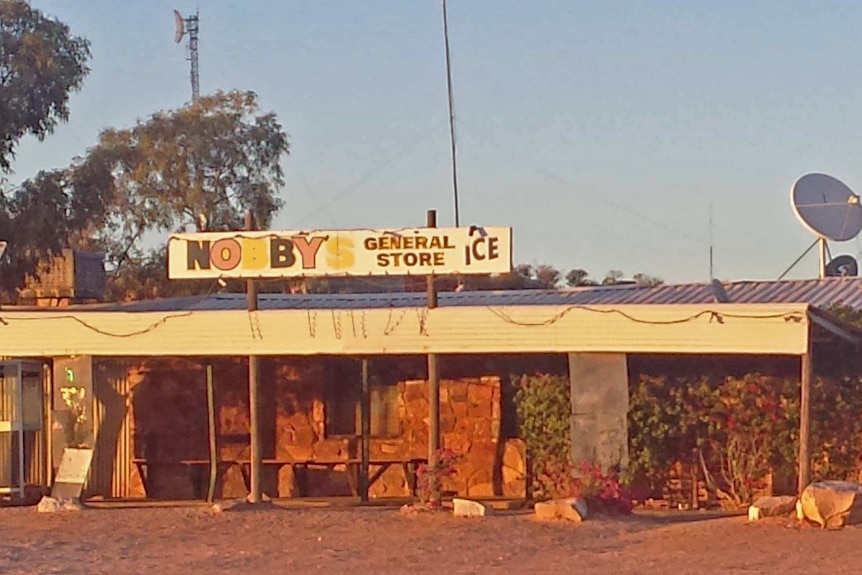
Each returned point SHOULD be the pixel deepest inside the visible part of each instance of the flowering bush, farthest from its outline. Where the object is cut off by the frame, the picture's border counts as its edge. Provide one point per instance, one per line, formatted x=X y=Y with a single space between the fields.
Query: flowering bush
x=429 y=477
x=603 y=490
x=75 y=430
x=738 y=430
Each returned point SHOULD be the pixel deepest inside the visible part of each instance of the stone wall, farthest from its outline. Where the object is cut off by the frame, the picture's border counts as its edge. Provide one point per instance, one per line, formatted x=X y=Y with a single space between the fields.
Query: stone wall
x=169 y=424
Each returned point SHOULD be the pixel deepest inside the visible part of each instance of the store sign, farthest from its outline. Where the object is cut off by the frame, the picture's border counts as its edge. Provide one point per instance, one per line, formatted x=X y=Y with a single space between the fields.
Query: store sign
x=278 y=254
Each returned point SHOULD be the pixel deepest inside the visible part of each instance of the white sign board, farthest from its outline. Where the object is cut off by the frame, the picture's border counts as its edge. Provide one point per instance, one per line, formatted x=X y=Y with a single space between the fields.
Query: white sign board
x=278 y=254
x=74 y=468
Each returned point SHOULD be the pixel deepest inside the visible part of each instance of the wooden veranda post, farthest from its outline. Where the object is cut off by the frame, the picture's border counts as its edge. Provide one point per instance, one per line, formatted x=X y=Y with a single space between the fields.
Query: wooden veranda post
x=365 y=430
x=253 y=388
x=807 y=369
x=211 y=426
x=433 y=378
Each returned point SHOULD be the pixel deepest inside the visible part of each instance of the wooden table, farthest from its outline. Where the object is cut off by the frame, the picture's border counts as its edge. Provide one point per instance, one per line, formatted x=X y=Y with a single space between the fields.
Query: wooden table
x=197 y=470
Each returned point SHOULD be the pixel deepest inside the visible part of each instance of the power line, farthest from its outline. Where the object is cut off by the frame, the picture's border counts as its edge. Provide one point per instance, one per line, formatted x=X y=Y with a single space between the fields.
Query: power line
x=599 y=199
x=372 y=172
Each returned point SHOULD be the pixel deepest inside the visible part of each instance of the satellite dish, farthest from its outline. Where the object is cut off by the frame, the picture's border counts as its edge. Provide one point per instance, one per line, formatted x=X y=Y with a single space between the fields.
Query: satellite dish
x=180 y=27
x=827 y=207
x=842 y=266
x=2 y=248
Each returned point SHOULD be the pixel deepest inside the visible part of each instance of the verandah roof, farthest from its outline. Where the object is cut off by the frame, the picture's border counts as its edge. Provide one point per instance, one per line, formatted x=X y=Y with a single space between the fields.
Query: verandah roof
x=179 y=331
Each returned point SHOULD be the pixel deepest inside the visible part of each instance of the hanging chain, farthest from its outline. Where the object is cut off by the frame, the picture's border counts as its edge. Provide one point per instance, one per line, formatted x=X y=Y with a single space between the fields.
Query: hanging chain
x=390 y=328
x=336 y=323
x=422 y=316
x=312 y=323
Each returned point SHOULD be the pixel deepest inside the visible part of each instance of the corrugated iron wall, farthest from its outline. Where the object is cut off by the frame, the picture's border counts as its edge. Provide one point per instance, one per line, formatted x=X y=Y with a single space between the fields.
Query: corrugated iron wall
x=36 y=442
x=39 y=442
x=112 y=459
x=8 y=454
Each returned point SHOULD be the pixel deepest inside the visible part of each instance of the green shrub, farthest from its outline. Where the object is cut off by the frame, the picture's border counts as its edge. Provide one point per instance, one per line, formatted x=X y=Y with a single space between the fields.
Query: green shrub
x=543 y=407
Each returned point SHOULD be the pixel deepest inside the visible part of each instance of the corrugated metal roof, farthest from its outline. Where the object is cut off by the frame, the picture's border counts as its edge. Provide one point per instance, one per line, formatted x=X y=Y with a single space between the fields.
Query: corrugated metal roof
x=818 y=293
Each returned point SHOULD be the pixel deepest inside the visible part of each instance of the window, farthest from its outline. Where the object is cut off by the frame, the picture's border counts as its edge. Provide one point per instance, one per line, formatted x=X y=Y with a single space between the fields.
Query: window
x=343 y=403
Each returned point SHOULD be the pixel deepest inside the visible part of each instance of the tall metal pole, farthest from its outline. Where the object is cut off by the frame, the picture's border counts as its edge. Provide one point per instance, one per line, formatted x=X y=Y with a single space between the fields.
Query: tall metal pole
x=711 y=267
x=254 y=495
x=451 y=115
x=433 y=381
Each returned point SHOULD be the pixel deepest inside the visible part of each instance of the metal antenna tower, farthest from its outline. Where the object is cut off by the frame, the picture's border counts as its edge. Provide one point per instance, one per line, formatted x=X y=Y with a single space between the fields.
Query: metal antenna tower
x=190 y=26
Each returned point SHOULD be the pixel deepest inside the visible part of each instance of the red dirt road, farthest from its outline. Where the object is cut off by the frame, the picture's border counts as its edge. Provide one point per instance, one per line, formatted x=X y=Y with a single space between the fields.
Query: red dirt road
x=169 y=541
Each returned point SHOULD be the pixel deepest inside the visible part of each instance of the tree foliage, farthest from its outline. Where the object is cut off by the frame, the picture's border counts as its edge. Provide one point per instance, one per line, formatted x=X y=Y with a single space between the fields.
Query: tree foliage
x=202 y=166
x=41 y=64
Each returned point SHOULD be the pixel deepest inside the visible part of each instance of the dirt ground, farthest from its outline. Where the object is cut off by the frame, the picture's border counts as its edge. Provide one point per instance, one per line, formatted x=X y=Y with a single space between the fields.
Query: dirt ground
x=191 y=540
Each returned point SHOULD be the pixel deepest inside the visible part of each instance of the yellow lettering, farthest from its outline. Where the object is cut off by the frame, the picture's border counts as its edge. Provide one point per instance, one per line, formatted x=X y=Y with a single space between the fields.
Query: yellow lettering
x=254 y=256
x=339 y=253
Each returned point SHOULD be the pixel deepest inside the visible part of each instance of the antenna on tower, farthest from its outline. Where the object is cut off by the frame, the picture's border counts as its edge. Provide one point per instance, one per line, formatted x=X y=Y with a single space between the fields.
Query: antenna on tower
x=190 y=26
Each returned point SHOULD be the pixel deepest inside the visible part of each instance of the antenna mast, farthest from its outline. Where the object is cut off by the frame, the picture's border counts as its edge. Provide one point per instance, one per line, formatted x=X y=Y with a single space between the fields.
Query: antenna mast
x=451 y=115
x=711 y=269
x=190 y=26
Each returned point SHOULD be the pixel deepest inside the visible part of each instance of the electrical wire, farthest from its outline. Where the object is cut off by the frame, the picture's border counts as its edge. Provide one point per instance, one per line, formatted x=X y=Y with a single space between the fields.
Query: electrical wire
x=148 y=329
x=717 y=315
x=371 y=173
x=597 y=198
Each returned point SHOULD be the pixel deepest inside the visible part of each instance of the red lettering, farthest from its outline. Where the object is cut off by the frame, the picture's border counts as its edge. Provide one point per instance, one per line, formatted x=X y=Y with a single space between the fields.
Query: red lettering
x=225 y=254
x=308 y=248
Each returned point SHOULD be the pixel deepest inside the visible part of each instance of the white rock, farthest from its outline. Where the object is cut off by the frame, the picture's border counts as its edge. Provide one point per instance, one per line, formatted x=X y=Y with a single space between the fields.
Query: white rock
x=468 y=508
x=771 y=506
x=545 y=510
x=48 y=505
x=52 y=505
x=579 y=504
x=753 y=513
x=833 y=504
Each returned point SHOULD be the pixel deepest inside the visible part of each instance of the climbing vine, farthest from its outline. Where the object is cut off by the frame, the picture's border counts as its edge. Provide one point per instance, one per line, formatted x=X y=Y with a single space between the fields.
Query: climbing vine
x=543 y=407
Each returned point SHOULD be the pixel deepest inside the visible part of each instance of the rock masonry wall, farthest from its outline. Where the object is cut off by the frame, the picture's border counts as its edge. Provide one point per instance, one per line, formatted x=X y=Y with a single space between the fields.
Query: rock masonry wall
x=168 y=418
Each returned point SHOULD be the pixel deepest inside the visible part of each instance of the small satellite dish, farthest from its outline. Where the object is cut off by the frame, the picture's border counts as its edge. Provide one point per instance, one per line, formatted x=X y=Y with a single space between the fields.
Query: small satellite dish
x=842 y=266
x=180 y=27
x=827 y=207
x=2 y=248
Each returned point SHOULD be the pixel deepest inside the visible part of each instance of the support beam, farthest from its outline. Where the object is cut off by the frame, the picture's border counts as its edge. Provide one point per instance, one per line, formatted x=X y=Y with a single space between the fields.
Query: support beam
x=365 y=427
x=806 y=377
x=600 y=402
x=254 y=495
x=211 y=429
x=433 y=378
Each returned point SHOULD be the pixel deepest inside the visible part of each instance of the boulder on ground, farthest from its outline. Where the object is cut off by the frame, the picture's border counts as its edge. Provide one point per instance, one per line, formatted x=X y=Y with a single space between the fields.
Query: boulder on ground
x=572 y=509
x=833 y=504
x=771 y=506
x=545 y=510
x=52 y=505
x=468 y=508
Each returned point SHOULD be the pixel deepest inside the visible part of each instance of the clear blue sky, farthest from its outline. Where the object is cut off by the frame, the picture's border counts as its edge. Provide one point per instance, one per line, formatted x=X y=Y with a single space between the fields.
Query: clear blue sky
x=600 y=131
